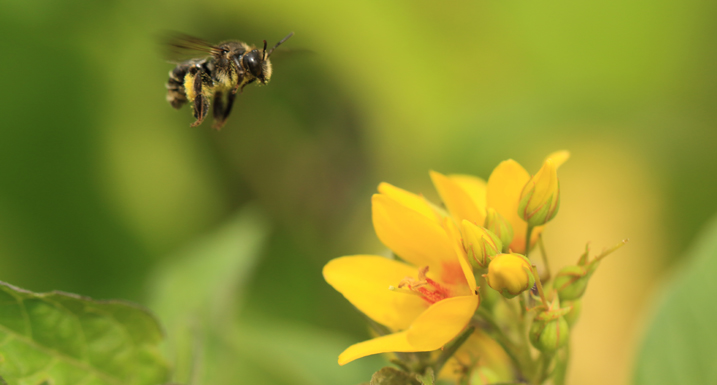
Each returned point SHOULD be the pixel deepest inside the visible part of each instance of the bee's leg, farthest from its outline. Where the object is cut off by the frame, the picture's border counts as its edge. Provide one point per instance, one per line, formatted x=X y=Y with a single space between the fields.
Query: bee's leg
x=201 y=103
x=220 y=119
x=218 y=110
x=230 y=104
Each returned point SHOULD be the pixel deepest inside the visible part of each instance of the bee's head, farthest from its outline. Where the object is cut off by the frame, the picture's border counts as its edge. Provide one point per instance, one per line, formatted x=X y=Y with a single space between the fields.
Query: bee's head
x=257 y=63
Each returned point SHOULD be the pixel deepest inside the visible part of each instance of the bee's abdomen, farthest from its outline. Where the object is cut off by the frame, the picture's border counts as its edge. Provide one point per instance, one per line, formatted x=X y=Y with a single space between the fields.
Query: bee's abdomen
x=176 y=94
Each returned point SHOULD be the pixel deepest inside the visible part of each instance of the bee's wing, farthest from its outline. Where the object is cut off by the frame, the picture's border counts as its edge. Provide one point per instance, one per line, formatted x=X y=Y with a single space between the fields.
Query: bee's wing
x=180 y=47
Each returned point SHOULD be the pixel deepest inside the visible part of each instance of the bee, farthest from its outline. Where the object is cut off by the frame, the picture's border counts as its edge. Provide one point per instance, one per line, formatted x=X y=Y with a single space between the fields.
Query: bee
x=230 y=67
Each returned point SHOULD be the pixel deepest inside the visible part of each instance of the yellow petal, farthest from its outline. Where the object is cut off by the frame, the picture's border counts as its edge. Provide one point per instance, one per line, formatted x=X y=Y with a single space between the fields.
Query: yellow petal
x=459 y=203
x=406 y=198
x=474 y=186
x=441 y=322
x=559 y=157
x=503 y=194
x=365 y=279
x=414 y=237
x=396 y=342
x=434 y=328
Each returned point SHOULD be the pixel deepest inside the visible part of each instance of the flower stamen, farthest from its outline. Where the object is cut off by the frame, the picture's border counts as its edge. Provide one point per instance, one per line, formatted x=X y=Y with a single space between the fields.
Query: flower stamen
x=429 y=290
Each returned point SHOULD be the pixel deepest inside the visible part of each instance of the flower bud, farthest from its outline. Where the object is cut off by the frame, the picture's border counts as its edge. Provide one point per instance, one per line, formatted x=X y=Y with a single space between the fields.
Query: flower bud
x=549 y=331
x=571 y=281
x=540 y=198
x=481 y=244
x=499 y=226
x=575 y=308
x=510 y=274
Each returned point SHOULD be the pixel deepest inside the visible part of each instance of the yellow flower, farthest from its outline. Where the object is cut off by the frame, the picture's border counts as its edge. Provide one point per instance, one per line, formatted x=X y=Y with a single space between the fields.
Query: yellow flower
x=429 y=299
x=510 y=274
x=468 y=197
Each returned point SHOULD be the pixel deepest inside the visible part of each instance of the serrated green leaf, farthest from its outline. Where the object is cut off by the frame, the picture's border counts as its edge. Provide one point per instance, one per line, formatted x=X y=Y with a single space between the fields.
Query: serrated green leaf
x=681 y=343
x=65 y=339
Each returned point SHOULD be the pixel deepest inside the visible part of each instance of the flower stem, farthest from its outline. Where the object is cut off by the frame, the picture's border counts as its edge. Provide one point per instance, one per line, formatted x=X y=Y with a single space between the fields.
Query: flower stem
x=545 y=259
x=527 y=240
x=450 y=350
x=561 y=366
x=543 y=365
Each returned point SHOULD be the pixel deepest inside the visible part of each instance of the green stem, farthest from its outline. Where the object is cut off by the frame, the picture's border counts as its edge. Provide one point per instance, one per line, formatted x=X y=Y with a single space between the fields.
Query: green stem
x=561 y=366
x=527 y=240
x=545 y=259
x=487 y=317
x=543 y=364
x=451 y=350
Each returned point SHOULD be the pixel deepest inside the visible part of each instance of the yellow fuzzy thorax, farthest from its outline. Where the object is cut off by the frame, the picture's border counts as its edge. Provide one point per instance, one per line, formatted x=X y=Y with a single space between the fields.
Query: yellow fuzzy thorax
x=226 y=81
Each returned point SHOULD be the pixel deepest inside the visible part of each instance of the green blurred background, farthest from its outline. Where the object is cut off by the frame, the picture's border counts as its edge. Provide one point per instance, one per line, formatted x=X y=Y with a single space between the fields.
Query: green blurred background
x=103 y=182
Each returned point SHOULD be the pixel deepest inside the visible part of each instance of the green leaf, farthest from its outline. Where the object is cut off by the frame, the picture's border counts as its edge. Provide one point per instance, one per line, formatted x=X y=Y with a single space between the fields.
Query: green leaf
x=681 y=343
x=197 y=291
x=65 y=339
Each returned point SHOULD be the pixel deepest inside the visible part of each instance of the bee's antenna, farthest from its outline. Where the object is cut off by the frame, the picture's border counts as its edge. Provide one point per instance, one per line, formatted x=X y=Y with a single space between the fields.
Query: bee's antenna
x=264 y=51
x=278 y=44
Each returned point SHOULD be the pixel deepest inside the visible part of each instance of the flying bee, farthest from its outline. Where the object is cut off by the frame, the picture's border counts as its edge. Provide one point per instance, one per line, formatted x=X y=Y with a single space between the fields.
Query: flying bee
x=229 y=68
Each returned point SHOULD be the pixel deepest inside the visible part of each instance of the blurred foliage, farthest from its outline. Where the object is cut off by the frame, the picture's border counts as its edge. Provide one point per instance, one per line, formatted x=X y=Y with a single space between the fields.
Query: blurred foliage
x=102 y=181
x=681 y=343
x=196 y=296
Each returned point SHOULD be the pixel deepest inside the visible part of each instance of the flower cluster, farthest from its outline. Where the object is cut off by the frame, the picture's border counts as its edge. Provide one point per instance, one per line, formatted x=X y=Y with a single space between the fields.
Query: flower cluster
x=428 y=297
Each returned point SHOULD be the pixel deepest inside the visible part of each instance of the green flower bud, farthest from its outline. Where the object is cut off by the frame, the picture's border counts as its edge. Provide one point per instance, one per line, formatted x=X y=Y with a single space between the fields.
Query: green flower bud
x=510 y=274
x=481 y=244
x=549 y=331
x=499 y=226
x=540 y=198
x=575 y=308
x=571 y=281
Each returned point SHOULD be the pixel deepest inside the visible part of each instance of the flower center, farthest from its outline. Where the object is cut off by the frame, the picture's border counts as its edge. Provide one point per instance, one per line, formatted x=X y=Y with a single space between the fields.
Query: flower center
x=428 y=289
